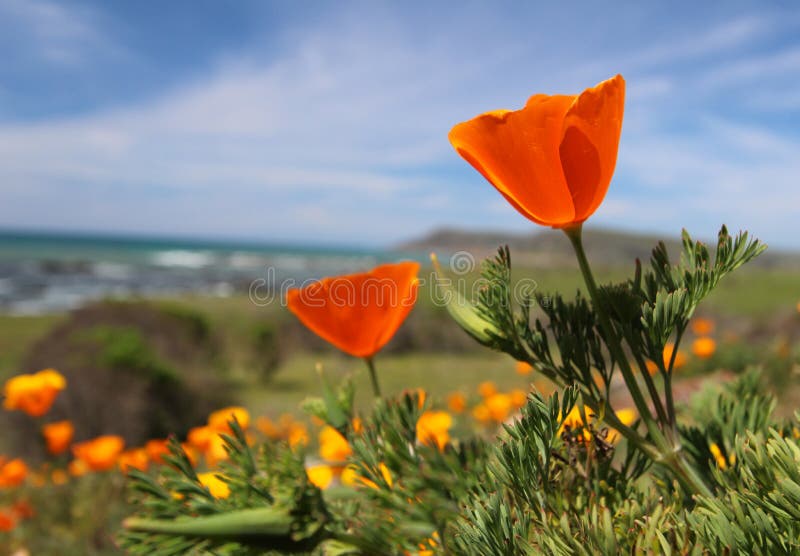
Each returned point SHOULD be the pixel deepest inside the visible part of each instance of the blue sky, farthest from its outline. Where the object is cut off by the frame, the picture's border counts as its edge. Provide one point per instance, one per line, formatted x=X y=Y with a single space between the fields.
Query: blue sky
x=326 y=122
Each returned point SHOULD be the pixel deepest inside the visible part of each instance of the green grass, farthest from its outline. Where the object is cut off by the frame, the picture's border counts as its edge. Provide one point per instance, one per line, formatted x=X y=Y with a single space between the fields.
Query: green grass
x=17 y=334
x=437 y=374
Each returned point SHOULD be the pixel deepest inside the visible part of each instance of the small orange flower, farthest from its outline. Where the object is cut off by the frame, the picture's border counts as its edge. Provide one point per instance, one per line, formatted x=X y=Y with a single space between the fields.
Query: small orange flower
x=487 y=389
x=101 y=453
x=320 y=476
x=627 y=416
x=518 y=398
x=35 y=393
x=680 y=359
x=457 y=402
x=702 y=327
x=219 y=419
x=216 y=486
x=433 y=428
x=156 y=450
x=524 y=368
x=333 y=447
x=135 y=458
x=500 y=406
x=7 y=520
x=58 y=436
x=13 y=473
x=358 y=313
x=552 y=160
x=297 y=435
x=704 y=347
x=216 y=451
x=574 y=421
x=200 y=437
x=481 y=413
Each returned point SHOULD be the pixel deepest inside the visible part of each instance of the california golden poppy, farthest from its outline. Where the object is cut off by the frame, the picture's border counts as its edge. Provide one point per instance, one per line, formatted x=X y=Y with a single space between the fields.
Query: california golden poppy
x=34 y=393
x=553 y=159
x=704 y=347
x=12 y=473
x=358 y=313
x=101 y=453
x=135 y=458
x=58 y=436
x=433 y=428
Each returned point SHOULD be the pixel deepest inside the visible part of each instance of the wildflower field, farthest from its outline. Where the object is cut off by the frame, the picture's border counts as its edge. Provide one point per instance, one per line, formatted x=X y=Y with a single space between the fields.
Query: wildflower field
x=647 y=409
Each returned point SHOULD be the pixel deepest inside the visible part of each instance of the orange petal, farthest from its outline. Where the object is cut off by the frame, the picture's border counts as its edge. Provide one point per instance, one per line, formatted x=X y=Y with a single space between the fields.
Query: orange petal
x=589 y=143
x=358 y=313
x=518 y=152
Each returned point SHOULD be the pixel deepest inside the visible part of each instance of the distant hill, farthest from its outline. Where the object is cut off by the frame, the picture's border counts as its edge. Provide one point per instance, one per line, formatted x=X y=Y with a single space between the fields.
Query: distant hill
x=550 y=248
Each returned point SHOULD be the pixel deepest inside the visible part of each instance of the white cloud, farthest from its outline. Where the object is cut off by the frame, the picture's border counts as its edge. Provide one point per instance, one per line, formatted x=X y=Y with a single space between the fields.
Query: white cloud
x=56 y=33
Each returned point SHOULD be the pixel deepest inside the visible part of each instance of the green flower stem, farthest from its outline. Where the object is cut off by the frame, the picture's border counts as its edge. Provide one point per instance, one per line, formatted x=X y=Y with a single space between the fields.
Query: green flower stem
x=668 y=454
x=651 y=387
x=376 y=388
x=668 y=376
x=574 y=235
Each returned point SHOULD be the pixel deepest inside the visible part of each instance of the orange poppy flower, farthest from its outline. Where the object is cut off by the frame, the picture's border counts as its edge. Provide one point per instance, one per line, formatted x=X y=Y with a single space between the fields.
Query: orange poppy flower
x=704 y=347
x=553 y=159
x=524 y=368
x=702 y=327
x=7 y=520
x=156 y=450
x=13 y=473
x=433 y=428
x=358 y=313
x=58 y=436
x=135 y=458
x=101 y=453
x=216 y=486
x=34 y=393
x=333 y=447
x=220 y=420
x=457 y=402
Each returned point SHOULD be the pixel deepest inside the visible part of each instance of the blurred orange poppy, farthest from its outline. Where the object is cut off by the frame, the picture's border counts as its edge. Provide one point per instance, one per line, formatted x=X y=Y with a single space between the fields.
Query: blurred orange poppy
x=101 y=453
x=457 y=402
x=524 y=368
x=34 y=393
x=702 y=327
x=220 y=420
x=553 y=159
x=333 y=447
x=13 y=473
x=358 y=313
x=135 y=458
x=58 y=436
x=156 y=450
x=704 y=347
x=433 y=428
x=216 y=486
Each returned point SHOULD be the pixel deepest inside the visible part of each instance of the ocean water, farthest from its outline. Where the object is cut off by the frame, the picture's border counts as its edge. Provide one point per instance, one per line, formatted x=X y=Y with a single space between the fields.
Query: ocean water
x=43 y=273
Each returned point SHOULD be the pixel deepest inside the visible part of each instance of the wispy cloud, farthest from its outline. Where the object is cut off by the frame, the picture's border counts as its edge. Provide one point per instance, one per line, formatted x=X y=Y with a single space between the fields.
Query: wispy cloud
x=53 y=32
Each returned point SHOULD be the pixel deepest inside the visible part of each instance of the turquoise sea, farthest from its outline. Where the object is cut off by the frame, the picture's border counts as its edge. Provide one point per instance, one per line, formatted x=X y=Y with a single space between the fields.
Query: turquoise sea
x=48 y=272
